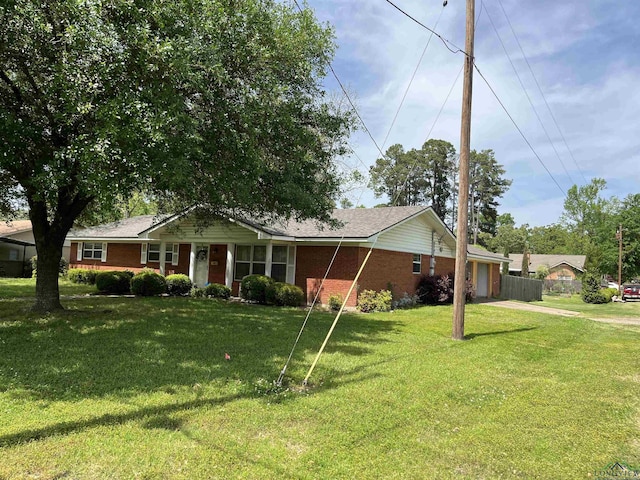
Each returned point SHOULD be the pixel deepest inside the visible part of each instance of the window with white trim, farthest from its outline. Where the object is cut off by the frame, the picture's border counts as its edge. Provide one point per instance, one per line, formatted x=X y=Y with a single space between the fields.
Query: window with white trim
x=279 y=263
x=417 y=263
x=92 y=250
x=250 y=260
x=153 y=253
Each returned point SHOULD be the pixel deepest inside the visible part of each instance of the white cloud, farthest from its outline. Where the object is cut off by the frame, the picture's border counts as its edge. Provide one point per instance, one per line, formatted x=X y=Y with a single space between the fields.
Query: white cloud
x=582 y=52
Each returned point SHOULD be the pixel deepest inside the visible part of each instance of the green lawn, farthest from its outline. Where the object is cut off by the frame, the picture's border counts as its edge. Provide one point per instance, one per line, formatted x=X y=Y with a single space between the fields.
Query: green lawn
x=630 y=309
x=139 y=388
x=12 y=288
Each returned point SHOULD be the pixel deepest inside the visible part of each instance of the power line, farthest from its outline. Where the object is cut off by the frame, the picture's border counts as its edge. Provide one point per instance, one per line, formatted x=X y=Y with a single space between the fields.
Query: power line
x=442 y=39
x=541 y=92
x=519 y=130
x=528 y=97
x=393 y=122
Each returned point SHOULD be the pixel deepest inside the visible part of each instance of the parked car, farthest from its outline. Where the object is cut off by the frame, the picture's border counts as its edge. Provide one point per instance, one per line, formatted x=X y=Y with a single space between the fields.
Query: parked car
x=631 y=291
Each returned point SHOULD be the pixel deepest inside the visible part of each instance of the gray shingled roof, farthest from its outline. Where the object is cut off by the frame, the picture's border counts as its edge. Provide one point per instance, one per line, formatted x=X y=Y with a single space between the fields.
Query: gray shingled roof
x=356 y=223
x=536 y=260
x=479 y=251
x=126 y=228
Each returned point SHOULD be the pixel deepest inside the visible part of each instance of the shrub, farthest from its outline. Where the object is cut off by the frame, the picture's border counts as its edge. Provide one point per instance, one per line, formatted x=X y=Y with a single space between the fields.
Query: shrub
x=196 y=292
x=82 y=275
x=217 y=290
x=608 y=293
x=113 y=282
x=254 y=288
x=148 y=283
x=406 y=301
x=178 y=284
x=591 y=289
x=284 y=294
x=335 y=302
x=438 y=289
x=372 y=301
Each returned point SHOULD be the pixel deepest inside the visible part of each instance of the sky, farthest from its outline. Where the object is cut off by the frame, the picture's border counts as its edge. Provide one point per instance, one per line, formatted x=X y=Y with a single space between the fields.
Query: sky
x=585 y=59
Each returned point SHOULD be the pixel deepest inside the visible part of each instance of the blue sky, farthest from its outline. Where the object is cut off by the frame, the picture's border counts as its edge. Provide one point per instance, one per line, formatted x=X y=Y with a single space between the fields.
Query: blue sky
x=585 y=57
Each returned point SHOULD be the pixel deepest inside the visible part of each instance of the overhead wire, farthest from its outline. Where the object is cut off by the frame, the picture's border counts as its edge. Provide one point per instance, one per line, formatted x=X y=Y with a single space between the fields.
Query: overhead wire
x=283 y=372
x=406 y=91
x=524 y=56
x=524 y=89
x=518 y=128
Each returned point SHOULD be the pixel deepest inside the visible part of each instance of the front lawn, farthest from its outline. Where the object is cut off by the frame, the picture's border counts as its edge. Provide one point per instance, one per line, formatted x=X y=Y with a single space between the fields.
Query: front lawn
x=140 y=388
x=630 y=309
x=11 y=288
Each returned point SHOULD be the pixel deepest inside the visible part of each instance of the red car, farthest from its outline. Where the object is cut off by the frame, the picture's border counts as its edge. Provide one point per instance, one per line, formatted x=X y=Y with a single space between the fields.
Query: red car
x=631 y=291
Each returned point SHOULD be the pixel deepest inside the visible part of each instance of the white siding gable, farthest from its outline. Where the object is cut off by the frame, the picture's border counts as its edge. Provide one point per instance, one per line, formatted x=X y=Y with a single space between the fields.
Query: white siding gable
x=414 y=236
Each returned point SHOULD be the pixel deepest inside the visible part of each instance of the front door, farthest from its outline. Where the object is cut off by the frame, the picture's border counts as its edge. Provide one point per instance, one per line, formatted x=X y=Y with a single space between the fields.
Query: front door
x=201 y=274
x=482 y=287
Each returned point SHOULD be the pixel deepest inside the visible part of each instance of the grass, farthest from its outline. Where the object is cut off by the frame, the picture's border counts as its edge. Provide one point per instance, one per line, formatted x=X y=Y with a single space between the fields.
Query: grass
x=574 y=303
x=12 y=288
x=139 y=388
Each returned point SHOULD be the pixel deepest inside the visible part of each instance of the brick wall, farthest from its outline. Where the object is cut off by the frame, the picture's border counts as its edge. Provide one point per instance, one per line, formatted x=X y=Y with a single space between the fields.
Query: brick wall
x=495 y=275
x=126 y=256
x=383 y=268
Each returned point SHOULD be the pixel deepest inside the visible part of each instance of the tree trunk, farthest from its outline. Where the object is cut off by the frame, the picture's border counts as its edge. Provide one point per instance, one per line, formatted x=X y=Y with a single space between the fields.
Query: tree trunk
x=47 y=289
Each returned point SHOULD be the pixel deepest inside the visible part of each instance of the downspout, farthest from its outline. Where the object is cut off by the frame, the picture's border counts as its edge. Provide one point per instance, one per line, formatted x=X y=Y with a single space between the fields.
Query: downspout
x=432 y=261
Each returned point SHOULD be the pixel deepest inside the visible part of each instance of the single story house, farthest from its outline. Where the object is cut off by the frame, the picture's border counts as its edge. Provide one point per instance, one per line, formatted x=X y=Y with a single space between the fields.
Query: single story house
x=561 y=267
x=17 y=246
x=406 y=241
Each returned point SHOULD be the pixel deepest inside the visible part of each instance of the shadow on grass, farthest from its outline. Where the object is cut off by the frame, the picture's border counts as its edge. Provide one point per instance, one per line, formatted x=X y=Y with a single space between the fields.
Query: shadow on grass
x=471 y=336
x=126 y=347
x=159 y=413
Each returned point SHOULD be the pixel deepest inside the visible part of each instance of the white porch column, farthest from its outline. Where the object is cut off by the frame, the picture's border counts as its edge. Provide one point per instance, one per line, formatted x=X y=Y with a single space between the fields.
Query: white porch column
x=192 y=263
x=269 y=260
x=228 y=271
x=163 y=255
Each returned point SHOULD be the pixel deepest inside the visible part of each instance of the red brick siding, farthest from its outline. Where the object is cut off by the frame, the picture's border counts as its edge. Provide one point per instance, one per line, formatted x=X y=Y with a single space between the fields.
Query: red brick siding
x=445 y=266
x=217 y=272
x=495 y=272
x=312 y=263
x=383 y=268
x=126 y=256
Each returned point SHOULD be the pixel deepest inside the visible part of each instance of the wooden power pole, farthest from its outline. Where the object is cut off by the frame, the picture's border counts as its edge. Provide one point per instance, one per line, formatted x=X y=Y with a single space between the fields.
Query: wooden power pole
x=459 y=289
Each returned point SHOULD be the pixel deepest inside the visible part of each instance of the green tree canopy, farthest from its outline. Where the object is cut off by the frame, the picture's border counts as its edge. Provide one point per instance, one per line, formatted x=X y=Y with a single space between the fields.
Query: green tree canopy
x=191 y=101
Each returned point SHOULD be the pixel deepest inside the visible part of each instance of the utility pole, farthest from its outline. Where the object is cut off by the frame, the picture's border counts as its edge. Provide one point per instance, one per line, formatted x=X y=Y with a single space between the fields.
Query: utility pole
x=460 y=287
x=619 y=237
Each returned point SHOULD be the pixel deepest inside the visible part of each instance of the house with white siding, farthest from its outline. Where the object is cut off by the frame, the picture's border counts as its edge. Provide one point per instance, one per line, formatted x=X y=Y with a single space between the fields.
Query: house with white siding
x=406 y=242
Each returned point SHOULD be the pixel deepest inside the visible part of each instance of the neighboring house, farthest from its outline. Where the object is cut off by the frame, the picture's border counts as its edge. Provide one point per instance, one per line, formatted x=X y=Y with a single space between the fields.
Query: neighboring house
x=406 y=241
x=17 y=246
x=561 y=267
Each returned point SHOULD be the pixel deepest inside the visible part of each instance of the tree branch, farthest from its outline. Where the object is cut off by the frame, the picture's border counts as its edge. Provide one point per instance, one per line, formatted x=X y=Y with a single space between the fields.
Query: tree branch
x=14 y=88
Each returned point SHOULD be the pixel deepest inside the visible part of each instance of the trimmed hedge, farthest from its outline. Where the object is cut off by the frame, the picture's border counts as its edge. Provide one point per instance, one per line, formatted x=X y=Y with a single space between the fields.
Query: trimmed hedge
x=591 y=291
x=217 y=290
x=148 y=283
x=82 y=275
x=284 y=294
x=116 y=282
x=178 y=284
x=254 y=288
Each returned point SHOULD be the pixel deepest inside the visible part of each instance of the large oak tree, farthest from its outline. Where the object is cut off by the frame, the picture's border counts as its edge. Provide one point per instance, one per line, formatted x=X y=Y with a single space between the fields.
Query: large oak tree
x=214 y=102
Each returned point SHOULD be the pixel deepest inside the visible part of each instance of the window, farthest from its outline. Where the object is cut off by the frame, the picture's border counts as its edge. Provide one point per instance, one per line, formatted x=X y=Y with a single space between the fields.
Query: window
x=250 y=260
x=417 y=263
x=13 y=254
x=170 y=250
x=92 y=250
x=279 y=263
x=153 y=254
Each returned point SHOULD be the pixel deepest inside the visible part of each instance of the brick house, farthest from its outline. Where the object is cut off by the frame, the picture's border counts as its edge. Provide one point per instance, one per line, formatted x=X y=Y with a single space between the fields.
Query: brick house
x=407 y=242
x=561 y=267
